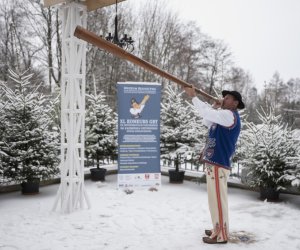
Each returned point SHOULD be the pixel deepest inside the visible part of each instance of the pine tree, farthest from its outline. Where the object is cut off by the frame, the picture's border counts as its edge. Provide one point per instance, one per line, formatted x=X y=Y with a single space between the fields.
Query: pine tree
x=182 y=133
x=272 y=151
x=100 y=128
x=2 y=154
x=30 y=147
x=293 y=174
x=241 y=148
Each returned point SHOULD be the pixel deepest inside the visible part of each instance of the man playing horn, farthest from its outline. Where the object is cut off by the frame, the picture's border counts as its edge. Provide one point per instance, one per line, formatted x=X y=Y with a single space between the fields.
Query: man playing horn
x=224 y=125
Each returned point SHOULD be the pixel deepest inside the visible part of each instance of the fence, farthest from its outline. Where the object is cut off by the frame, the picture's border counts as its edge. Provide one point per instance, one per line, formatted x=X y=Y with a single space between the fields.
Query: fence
x=103 y=160
x=193 y=164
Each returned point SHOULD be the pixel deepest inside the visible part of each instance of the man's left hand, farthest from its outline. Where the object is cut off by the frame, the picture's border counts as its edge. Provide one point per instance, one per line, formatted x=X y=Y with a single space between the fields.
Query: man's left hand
x=190 y=91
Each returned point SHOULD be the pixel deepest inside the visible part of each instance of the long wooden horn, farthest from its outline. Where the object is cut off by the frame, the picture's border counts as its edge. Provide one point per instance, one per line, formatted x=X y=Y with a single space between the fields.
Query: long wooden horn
x=92 y=38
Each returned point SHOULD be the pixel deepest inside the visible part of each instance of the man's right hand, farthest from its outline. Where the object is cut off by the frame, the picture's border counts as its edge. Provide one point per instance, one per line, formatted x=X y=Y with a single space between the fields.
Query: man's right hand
x=218 y=104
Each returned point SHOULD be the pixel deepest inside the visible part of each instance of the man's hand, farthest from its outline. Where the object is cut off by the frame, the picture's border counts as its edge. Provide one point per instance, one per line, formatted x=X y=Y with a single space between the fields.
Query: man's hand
x=218 y=104
x=190 y=91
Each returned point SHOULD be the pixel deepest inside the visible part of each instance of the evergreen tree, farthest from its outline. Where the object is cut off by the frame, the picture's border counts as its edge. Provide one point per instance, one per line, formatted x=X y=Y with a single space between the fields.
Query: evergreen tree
x=182 y=133
x=293 y=174
x=2 y=104
x=29 y=145
x=100 y=128
x=271 y=151
x=241 y=147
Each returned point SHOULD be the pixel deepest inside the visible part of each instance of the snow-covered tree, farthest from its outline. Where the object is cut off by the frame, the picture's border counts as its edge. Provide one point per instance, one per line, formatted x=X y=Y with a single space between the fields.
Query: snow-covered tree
x=272 y=151
x=293 y=175
x=2 y=104
x=182 y=132
x=100 y=128
x=241 y=148
x=30 y=147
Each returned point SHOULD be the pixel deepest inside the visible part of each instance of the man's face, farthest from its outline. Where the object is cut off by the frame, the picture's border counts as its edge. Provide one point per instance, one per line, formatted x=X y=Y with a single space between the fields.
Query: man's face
x=229 y=102
x=135 y=105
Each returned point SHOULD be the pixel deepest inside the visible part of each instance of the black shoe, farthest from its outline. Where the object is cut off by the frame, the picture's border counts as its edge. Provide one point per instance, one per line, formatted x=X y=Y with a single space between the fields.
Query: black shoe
x=212 y=241
x=208 y=232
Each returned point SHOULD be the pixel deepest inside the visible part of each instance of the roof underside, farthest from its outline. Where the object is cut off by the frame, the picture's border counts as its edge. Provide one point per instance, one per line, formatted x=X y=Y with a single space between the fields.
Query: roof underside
x=91 y=4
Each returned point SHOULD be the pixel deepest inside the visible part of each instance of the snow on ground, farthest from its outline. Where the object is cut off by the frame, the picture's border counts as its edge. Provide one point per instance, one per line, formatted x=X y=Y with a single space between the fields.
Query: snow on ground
x=172 y=218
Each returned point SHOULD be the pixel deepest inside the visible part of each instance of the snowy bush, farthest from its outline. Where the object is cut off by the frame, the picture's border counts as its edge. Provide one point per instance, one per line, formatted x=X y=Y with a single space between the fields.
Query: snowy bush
x=272 y=152
x=100 y=128
x=182 y=133
x=30 y=147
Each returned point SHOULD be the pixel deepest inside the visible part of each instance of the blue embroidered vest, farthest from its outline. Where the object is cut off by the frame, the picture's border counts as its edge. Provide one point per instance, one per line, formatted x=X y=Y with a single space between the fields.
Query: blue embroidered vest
x=221 y=143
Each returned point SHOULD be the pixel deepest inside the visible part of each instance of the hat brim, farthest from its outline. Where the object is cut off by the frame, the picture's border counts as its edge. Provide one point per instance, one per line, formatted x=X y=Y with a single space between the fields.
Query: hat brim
x=241 y=105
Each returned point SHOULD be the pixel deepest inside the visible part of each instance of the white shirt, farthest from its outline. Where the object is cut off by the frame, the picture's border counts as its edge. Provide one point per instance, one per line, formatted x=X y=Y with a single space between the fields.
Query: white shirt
x=210 y=115
x=136 y=111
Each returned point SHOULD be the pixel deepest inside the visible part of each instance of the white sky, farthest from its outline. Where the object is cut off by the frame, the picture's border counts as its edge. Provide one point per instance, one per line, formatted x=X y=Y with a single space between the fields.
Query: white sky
x=264 y=35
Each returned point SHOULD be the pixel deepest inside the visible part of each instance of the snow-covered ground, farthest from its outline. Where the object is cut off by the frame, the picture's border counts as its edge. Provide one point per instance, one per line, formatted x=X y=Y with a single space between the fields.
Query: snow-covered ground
x=172 y=218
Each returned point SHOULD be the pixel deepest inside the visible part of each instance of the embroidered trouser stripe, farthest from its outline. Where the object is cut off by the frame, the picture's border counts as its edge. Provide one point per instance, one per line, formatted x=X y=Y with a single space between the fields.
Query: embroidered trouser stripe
x=216 y=178
x=219 y=203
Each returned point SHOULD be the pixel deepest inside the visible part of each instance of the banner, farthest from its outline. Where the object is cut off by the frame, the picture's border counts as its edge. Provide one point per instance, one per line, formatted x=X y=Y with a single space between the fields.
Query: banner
x=139 y=134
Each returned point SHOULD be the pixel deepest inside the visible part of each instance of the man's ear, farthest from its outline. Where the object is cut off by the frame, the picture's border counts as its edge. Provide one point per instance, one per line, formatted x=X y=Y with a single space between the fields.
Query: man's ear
x=236 y=102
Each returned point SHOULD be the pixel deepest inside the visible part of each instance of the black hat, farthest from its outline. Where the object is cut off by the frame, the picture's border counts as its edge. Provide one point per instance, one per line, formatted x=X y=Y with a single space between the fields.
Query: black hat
x=236 y=95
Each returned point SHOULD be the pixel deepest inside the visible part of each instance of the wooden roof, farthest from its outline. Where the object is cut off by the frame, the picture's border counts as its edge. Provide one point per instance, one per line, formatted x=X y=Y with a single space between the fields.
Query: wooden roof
x=91 y=4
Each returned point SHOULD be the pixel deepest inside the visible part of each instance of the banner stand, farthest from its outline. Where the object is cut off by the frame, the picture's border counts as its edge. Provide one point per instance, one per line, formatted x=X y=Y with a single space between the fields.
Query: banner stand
x=139 y=134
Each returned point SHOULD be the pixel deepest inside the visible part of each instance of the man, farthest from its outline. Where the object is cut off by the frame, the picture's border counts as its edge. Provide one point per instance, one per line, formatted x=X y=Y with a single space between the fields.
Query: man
x=137 y=108
x=224 y=125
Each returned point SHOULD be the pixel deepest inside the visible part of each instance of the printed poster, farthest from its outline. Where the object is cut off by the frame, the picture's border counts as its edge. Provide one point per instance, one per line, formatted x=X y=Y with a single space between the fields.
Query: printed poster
x=139 y=134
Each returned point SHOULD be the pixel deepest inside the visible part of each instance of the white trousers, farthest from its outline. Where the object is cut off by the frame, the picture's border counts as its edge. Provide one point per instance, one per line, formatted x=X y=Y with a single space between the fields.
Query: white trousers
x=216 y=179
